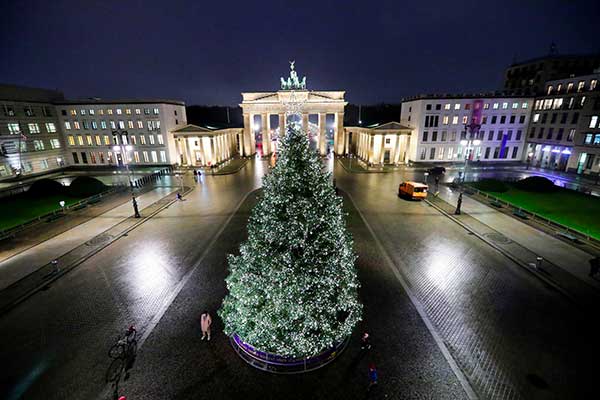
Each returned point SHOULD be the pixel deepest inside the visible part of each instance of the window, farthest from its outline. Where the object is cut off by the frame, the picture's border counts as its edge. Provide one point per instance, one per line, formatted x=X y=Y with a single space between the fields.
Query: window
x=553 y=118
x=593 y=121
x=571 y=135
x=75 y=158
x=580 y=86
x=113 y=125
x=28 y=111
x=447 y=106
x=514 y=152
x=100 y=112
x=503 y=119
x=155 y=111
x=453 y=136
x=550 y=133
x=437 y=107
x=109 y=111
x=121 y=124
x=559 y=88
x=151 y=138
x=444 y=134
x=432 y=153
x=494 y=118
x=496 y=152
x=557 y=103
x=146 y=112
x=544 y=117
x=549 y=91
x=146 y=159
x=467 y=107
x=559 y=135
x=450 y=151
x=154 y=157
x=541 y=133
x=85 y=125
x=94 y=125
x=23 y=146
x=76 y=125
x=54 y=143
x=495 y=106
x=84 y=157
x=140 y=124
x=92 y=111
x=441 y=153
x=163 y=156
x=512 y=119
x=455 y=120
x=50 y=127
x=422 y=156
x=80 y=140
x=434 y=136
x=515 y=106
x=33 y=128
x=161 y=141
x=597 y=138
x=74 y=113
x=38 y=145
x=88 y=139
x=569 y=87
x=428 y=106
x=106 y=140
x=465 y=119
x=124 y=139
x=509 y=135
x=98 y=140
x=484 y=121
x=14 y=128
x=518 y=136
x=93 y=157
x=136 y=156
x=504 y=105
x=103 y=124
x=522 y=119
x=132 y=139
x=486 y=106
x=130 y=124
x=119 y=111
x=71 y=140
x=44 y=164
x=425 y=133
x=575 y=118
x=532 y=132
x=593 y=84
x=500 y=134
x=445 y=120
x=82 y=111
x=487 y=153
x=128 y=111
x=138 y=112
x=588 y=138
x=524 y=105
x=142 y=139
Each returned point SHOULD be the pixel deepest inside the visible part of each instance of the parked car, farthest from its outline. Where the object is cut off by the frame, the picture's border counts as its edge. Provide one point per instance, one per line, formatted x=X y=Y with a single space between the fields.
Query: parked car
x=437 y=171
x=412 y=190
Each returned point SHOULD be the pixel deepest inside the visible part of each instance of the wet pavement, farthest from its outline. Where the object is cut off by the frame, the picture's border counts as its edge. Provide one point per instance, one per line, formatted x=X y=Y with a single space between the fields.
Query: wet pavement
x=511 y=335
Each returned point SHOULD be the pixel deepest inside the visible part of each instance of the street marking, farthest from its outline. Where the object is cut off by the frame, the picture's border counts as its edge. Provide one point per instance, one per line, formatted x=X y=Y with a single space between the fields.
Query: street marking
x=419 y=307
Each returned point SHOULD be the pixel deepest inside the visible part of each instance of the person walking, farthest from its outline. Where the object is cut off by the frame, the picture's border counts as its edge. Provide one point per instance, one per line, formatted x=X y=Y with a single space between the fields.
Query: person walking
x=205 y=323
x=594 y=266
x=372 y=376
x=365 y=341
x=179 y=196
x=458 y=204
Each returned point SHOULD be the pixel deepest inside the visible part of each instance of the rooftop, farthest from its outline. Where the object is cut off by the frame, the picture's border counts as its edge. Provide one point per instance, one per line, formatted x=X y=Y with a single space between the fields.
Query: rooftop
x=97 y=100
x=550 y=57
x=482 y=95
x=24 y=93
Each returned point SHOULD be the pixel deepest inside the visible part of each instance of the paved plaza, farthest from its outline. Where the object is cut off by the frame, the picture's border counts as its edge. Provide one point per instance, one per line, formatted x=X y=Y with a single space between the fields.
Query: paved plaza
x=451 y=317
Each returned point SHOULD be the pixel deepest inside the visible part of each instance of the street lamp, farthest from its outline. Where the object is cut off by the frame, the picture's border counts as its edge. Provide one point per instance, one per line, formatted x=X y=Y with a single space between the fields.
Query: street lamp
x=470 y=140
x=124 y=150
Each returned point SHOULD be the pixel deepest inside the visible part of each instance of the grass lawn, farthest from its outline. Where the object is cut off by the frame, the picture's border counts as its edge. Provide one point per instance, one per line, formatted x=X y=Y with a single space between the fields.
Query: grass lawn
x=19 y=209
x=567 y=207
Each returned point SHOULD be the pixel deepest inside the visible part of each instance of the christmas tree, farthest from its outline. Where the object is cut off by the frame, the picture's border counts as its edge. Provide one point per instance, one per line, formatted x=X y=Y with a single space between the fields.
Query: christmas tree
x=293 y=290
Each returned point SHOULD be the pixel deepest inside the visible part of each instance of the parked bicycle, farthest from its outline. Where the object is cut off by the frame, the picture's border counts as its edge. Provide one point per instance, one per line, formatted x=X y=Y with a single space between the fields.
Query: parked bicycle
x=122 y=353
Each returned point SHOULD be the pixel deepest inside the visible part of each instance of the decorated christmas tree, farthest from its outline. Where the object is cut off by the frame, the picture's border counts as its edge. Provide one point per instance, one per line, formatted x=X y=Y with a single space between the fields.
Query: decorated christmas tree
x=293 y=290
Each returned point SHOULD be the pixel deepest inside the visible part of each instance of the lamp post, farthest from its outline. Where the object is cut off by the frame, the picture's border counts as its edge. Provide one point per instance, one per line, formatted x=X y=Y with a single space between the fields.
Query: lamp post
x=124 y=150
x=470 y=140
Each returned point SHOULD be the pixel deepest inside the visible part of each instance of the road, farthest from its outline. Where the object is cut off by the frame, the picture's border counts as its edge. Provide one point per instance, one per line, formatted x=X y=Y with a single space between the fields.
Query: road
x=510 y=335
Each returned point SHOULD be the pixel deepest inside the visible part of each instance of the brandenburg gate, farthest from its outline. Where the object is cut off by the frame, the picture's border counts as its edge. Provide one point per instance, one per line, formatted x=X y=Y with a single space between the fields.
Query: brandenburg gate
x=266 y=104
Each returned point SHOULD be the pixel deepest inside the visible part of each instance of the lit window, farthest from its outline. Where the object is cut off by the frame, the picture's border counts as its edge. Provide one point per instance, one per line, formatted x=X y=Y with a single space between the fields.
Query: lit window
x=128 y=111
x=138 y=111
x=536 y=117
x=44 y=164
x=14 y=128
x=155 y=111
x=549 y=91
x=593 y=84
x=445 y=119
x=124 y=139
x=580 y=86
x=146 y=111
x=54 y=143
x=103 y=124
x=559 y=88
x=155 y=157
x=109 y=111
x=33 y=128
x=132 y=139
x=163 y=156
x=457 y=106
x=76 y=125
x=92 y=111
x=515 y=106
x=98 y=140
x=82 y=111
x=113 y=125
x=582 y=101
x=140 y=124
x=50 y=127
x=160 y=139
x=119 y=111
x=447 y=106
x=495 y=106
x=136 y=156
x=142 y=139
x=94 y=125
x=593 y=121
x=455 y=120
x=151 y=138
x=557 y=103
x=74 y=113
x=146 y=159
x=569 y=87
x=486 y=106
x=121 y=124
x=71 y=140
x=465 y=119
x=106 y=140
x=80 y=140
x=89 y=141
x=504 y=105
x=130 y=124
x=101 y=111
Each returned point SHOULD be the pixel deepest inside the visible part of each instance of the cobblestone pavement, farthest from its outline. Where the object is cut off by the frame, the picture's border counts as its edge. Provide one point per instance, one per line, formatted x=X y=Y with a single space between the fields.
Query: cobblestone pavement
x=175 y=364
x=512 y=335
x=56 y=342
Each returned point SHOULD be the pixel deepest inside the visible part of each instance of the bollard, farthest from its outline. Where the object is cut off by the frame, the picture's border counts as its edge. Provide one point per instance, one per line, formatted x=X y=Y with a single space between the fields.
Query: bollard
x=538 y=262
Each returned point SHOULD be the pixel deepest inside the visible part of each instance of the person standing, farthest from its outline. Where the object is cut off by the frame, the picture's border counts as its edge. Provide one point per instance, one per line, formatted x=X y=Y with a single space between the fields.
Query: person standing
x=458 y=204
x=372 y=376
x=205 y=323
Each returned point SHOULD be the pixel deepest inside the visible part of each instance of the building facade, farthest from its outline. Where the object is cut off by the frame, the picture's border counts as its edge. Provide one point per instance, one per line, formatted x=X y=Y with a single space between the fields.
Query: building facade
x=138 y=132
x=203 y=147
x=30 y=133
x=532 y=75
x=382 y=144
x=482 y=128
x=564 y=131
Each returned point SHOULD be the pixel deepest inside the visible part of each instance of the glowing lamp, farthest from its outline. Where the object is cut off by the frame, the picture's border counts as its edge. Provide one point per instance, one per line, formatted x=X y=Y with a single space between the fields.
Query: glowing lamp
x=128 y=148
x=464 y=142
x=116 y=148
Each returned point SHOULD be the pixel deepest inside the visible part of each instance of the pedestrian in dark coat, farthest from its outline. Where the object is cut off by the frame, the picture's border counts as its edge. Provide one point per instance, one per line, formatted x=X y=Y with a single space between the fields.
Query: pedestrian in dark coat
x=594 y=266
x=372 y=376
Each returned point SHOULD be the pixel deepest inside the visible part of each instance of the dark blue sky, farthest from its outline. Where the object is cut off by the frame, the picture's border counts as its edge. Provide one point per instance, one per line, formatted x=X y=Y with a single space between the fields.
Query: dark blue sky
x=208 y=51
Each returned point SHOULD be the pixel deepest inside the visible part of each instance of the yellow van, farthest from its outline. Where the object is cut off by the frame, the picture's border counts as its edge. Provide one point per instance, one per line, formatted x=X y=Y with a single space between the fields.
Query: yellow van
x=412 y=190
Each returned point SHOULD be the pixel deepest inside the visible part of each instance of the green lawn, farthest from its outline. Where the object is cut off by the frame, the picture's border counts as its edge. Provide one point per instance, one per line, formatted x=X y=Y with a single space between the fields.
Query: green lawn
x=19 y=209
x=567 y=207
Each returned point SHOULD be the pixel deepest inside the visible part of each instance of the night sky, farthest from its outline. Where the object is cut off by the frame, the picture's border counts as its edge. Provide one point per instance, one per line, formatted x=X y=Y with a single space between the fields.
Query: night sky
x=207 y=52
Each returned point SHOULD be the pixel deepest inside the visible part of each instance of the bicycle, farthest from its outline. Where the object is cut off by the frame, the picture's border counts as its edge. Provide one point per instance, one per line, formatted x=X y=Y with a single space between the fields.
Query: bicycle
x=123 y=353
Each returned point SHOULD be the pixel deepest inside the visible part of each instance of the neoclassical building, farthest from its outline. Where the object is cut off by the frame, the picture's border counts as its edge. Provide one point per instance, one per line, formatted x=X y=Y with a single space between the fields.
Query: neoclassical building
x=265 y=115
x=380 y=144
x=203 y=147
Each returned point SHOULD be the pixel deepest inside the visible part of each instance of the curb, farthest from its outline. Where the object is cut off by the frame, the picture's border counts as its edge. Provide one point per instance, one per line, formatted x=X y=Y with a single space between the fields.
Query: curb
x=361 y=172
x=507 y=254
x=78 y=262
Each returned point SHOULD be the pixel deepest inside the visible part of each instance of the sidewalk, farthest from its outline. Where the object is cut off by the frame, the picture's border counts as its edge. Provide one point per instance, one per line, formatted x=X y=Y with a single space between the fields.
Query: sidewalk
x=26 y=262
x=564 y=265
